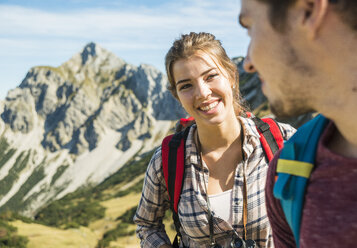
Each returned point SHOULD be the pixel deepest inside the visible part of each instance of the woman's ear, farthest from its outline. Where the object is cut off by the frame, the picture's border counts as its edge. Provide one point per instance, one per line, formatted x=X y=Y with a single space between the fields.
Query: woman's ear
x=314 y=12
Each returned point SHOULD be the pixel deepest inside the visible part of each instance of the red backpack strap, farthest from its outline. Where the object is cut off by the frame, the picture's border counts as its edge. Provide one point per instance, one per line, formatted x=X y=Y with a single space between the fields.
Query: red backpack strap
x=172 y=153
x=271 y=137
x=173 y=164
x=165 y=158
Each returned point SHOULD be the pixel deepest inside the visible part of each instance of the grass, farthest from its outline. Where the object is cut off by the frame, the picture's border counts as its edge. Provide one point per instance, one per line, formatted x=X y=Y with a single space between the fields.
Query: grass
x=41 y=236
x=136 y=188
x=118 y=206
x=9 y=237
x=122 y=209
x=126 y=242
x=120 y=212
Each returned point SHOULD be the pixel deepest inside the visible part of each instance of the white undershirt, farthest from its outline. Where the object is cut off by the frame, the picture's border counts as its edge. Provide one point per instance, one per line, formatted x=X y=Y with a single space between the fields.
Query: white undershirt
x=221 y=205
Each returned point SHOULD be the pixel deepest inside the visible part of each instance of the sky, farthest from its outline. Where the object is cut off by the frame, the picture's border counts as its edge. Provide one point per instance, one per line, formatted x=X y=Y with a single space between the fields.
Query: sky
x=50 y=32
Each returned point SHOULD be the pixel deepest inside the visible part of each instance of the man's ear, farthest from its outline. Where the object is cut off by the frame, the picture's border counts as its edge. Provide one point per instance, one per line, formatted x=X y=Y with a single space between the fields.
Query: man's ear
x=314 y=14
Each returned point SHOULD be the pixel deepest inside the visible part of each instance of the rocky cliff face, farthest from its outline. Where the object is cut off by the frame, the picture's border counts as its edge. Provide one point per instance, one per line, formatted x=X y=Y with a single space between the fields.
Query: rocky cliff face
x=76 y=124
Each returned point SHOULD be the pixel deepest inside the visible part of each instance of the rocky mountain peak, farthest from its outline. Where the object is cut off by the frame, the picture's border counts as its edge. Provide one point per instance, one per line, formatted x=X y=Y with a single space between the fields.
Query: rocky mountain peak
x=92 y=58
x=88 y=51
x=63 y=123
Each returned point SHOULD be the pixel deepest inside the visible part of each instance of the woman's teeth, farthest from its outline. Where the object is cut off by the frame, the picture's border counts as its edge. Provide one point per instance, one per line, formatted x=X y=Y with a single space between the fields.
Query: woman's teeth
x=209 y=107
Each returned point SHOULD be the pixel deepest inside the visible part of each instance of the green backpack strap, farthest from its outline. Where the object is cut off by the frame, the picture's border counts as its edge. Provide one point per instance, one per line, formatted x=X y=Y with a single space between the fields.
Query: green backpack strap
x=294 y=167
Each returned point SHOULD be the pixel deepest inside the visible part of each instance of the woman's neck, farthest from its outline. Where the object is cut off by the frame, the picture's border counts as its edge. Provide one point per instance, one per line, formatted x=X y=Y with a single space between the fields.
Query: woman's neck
x=213 y=138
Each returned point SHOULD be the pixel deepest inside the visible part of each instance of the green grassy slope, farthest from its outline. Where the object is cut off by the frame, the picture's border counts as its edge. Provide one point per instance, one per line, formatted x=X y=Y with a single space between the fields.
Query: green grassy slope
x=98 y=216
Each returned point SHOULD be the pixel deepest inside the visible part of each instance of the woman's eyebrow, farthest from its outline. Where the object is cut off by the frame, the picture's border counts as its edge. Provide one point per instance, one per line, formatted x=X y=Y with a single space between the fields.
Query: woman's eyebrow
x=207 y=71
x=182 y=81
x=202 y=74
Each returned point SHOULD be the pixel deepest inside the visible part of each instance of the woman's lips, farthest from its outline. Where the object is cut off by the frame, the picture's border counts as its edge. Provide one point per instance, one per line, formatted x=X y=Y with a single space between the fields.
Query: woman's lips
x=209 y=106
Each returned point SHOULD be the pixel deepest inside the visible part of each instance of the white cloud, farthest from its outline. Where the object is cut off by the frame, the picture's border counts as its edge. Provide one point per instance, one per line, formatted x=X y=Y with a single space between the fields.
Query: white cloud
x=137 y=34
x=16 y=21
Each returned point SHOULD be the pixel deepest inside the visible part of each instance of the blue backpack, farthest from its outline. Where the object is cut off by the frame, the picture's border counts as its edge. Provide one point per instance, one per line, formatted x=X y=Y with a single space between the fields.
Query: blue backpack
x=294 y=168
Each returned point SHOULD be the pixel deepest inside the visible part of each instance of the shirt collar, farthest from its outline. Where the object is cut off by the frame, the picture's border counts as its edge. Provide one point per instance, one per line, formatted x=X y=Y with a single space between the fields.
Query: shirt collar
x=251 y=136
x=250 y=141
x=190 y=146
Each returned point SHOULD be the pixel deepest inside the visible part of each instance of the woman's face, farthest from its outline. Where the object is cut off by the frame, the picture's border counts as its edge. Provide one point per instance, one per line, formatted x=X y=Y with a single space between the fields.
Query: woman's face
x=204 y=89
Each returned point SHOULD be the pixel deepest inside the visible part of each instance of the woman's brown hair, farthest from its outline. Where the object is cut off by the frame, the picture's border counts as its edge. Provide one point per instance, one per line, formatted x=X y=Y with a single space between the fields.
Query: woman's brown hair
x=194 y=44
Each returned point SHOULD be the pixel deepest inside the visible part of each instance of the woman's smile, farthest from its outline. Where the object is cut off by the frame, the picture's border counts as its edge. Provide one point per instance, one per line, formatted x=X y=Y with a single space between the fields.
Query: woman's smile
x=209 y=108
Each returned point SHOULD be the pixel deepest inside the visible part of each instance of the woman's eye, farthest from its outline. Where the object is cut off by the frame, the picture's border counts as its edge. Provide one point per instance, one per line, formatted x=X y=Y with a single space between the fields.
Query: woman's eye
x=184 y=86
x=212 y=76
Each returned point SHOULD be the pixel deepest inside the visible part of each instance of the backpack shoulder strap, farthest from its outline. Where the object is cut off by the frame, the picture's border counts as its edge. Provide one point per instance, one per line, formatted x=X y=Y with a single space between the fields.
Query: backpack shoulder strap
x=165 y=160
x=173 y=164
x=271 y=137
x=294 y=167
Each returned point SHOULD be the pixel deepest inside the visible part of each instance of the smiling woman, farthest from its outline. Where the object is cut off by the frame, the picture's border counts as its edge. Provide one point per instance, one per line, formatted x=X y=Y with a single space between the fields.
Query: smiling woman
x=206 y=48
x=222 y=199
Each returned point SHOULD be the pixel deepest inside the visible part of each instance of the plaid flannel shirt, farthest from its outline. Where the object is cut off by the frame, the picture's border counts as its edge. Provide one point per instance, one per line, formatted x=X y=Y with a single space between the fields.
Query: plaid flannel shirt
x=192 y=208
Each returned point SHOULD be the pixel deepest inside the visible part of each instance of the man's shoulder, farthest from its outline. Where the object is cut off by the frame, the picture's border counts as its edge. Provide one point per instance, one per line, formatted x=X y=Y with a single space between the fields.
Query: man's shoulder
x=315 y=125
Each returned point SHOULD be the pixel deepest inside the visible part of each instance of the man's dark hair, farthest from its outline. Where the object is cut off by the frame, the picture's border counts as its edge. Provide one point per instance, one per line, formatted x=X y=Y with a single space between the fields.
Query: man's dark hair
x=347 y=9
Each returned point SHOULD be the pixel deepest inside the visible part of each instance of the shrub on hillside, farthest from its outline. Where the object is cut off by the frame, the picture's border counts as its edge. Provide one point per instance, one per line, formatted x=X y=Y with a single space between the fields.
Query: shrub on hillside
x=128 y=216
x=136 y=188
x=121 y=230
x=70 y=214
x=9 y=238
x=12 y=216
x=127 y=173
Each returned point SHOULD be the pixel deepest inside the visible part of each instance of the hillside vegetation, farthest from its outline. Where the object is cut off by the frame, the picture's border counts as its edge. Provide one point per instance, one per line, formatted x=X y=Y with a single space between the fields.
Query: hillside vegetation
x=98 y=216
x=9 y=236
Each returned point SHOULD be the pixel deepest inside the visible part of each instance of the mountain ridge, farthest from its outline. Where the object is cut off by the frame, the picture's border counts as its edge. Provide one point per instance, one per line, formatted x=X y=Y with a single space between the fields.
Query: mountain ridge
x=93 y=110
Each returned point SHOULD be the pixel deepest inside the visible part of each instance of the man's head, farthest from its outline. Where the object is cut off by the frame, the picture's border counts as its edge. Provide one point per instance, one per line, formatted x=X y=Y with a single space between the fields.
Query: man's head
x=294 y=46
x=278 y=11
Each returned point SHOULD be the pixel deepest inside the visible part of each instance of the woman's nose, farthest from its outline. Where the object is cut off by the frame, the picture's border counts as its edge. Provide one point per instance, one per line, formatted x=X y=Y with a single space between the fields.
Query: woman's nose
x=203 y=90
x=248 y=65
